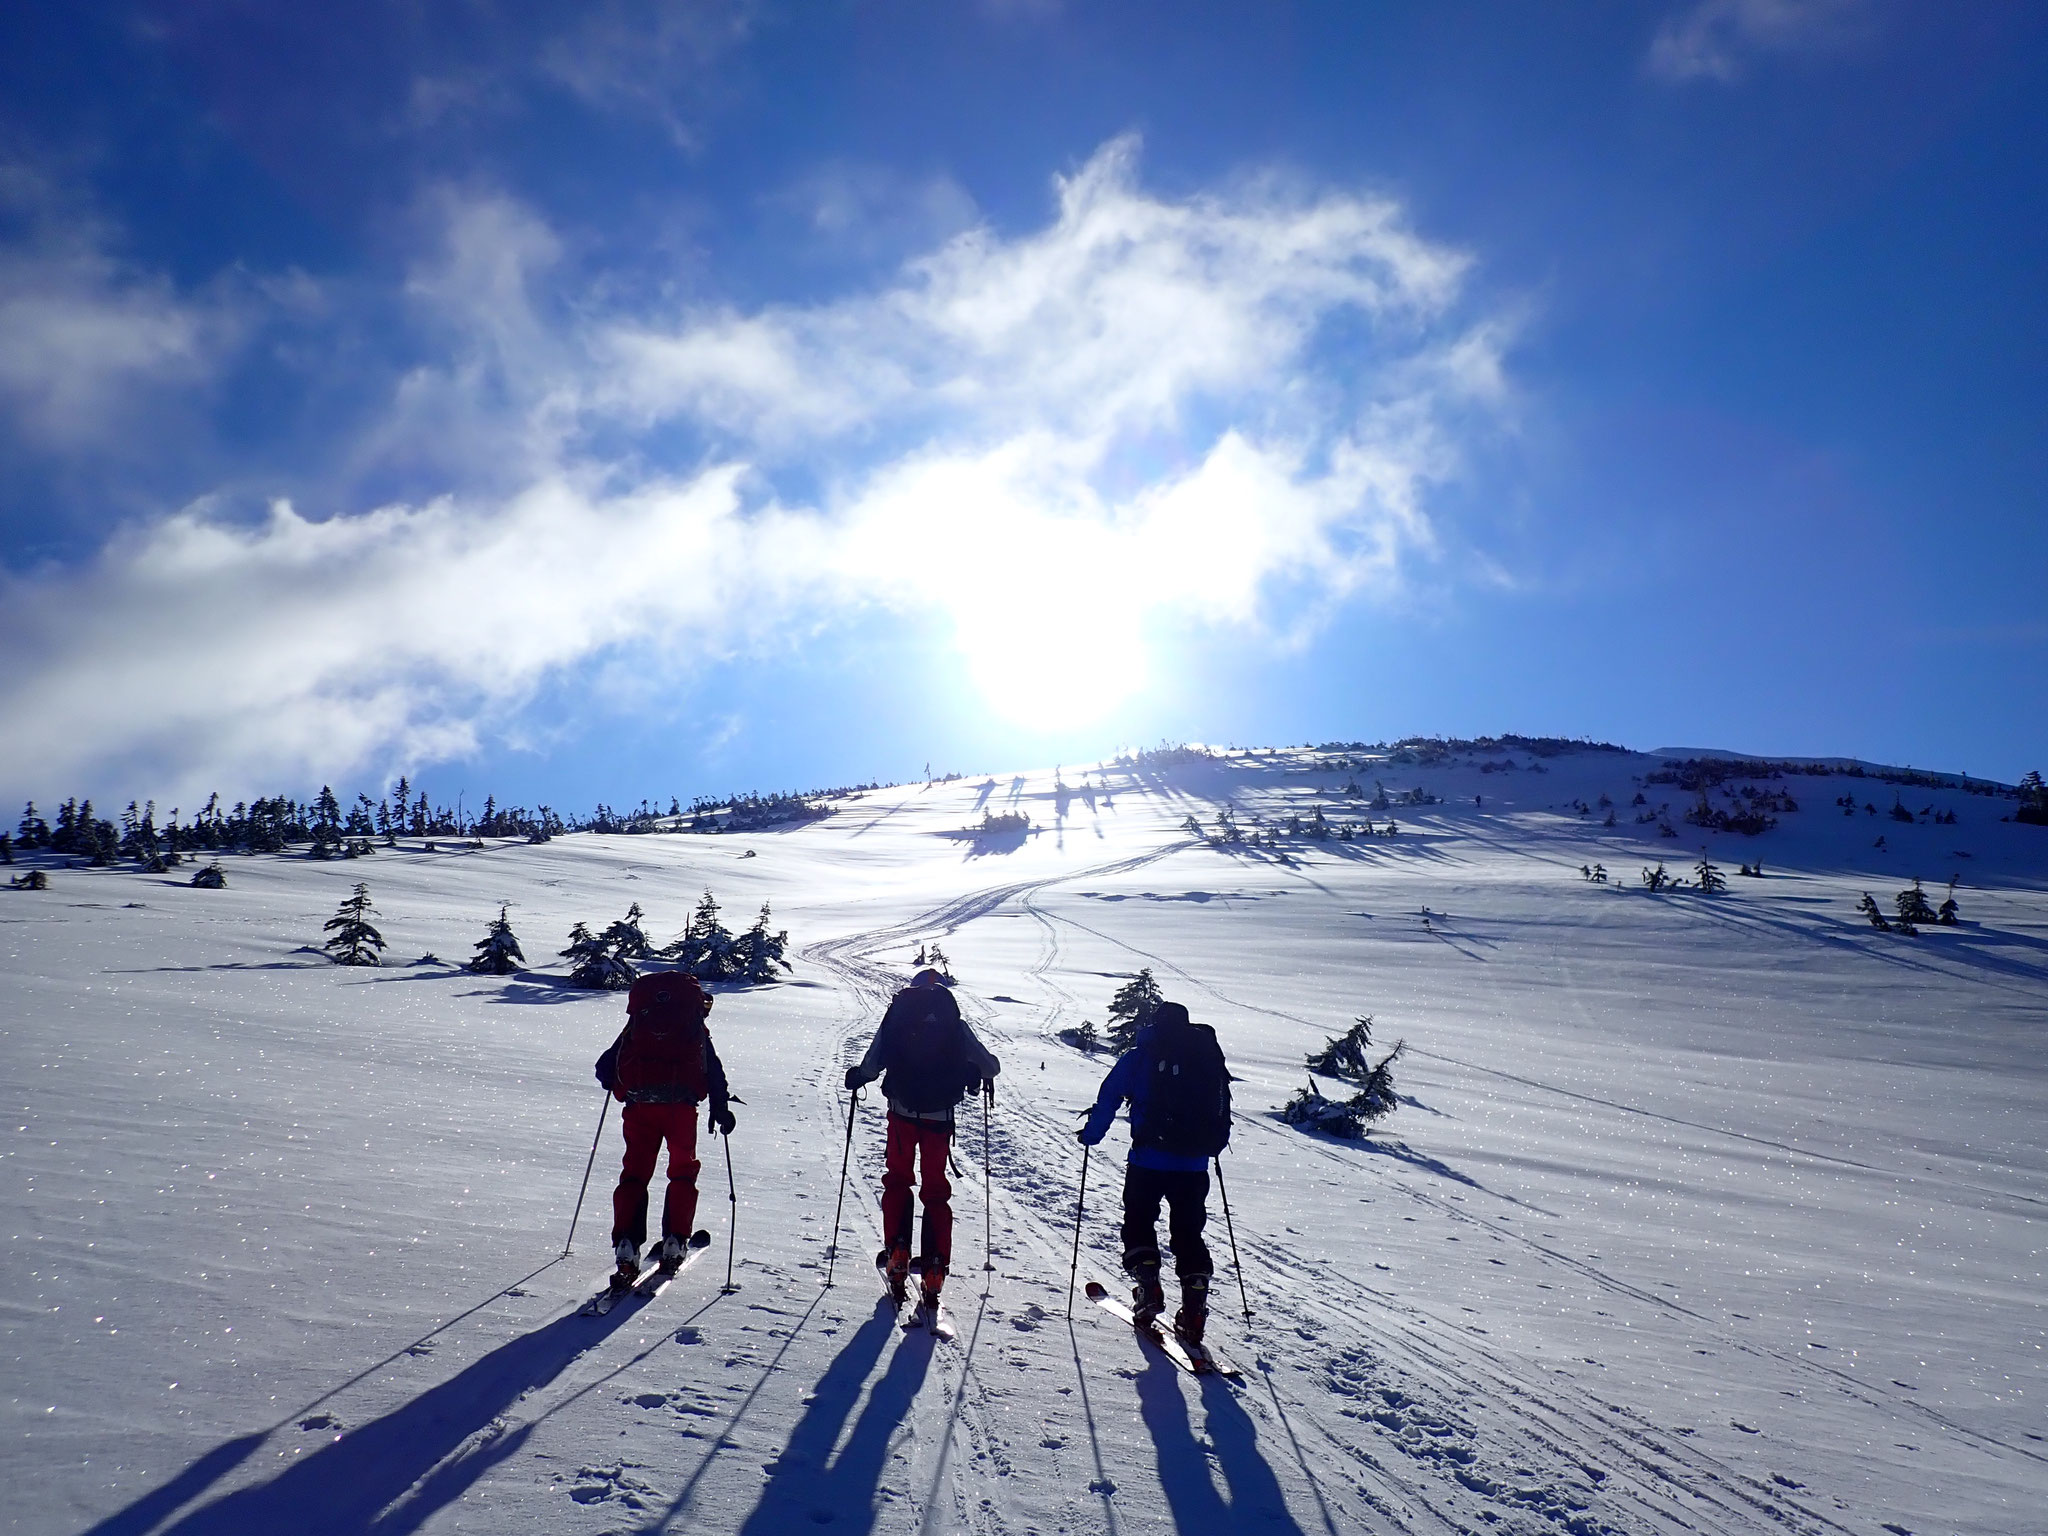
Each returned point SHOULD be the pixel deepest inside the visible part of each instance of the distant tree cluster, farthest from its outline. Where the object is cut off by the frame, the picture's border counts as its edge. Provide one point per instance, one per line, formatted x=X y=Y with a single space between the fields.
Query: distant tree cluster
x=273 y=825
x=1912 y=911
x=705 y=949
x=2033 y=801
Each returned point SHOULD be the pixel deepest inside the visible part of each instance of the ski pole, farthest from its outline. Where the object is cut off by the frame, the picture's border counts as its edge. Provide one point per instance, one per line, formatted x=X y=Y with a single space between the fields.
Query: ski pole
x=1080 y=1204
x=602 y=1112
x=832 y=1250
x=1231 y=1227
x=988 y=1210
x=732 y=1221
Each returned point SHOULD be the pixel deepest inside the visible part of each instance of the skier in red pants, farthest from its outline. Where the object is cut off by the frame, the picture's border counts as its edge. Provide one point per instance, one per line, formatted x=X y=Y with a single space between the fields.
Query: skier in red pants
x=662 y=1065
x=928 y=1060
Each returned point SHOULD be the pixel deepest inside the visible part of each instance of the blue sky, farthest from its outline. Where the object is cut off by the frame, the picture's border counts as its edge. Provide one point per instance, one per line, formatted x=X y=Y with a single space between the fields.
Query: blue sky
x=588 y=402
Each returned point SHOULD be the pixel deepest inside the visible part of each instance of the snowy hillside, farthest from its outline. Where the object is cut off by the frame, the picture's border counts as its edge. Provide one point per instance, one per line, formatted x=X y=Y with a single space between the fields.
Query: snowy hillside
x=1704 y=1213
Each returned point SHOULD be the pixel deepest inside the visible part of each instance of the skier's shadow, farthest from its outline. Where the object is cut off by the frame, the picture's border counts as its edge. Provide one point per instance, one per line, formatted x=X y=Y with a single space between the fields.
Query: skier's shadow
x=1254 y=1502
x=807 y=1484
x=359 y=1482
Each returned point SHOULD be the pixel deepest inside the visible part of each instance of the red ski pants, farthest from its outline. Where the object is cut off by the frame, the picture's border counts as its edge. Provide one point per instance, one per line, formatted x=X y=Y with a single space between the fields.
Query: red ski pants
x=909 y=1142
x=647 y=1126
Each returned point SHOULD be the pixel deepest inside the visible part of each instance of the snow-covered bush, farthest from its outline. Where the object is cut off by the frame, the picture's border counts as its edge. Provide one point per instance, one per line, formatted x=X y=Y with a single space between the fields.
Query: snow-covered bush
x=1712 y=881
x=498 y=952
x=355 y=941
x=1656 y=879
x=211 y=878
x=1348 y=1118
x=1083 y=1037
x=34 y=880
x=1869 y=908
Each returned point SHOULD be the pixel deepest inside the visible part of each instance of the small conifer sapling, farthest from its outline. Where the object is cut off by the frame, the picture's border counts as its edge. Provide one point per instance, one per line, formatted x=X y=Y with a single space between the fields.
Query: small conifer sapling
x=354 y=941
x=498 y=952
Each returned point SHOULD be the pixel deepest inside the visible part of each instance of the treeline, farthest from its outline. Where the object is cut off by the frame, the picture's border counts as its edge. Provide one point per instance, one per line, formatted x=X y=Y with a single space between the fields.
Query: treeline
x=270 y=825
x=327 y=828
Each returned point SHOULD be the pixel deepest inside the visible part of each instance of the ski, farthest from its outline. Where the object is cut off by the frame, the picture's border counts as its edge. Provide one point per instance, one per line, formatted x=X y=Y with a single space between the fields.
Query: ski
x=648 y=1286
x=933 y=1318
x=1195 y=1359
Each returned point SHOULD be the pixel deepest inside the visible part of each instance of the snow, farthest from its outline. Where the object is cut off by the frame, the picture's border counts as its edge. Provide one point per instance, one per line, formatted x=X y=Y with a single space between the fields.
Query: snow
x=1703 y=1214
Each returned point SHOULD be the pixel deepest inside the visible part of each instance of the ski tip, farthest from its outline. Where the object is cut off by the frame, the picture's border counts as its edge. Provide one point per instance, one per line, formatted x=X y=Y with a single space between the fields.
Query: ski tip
x=1095 y=1290
x=701 y=1238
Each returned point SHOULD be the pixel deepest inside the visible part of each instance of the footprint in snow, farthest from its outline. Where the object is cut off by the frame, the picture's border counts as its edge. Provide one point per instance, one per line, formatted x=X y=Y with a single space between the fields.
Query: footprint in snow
x=320 y=1421
x=1744 y=1427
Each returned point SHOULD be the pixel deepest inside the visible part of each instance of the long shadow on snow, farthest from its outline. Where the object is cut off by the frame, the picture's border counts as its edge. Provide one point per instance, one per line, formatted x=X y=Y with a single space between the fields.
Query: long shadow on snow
x=343 y=1487
x=1255 y=1501
x=807 y=1484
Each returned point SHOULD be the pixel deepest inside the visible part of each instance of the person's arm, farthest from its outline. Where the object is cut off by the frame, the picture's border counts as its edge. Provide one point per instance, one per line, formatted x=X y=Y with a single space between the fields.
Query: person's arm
x=608 y=1065
x=979 y=1056
x=1115 y=1089
x=876 y=1061
x=716 y=1089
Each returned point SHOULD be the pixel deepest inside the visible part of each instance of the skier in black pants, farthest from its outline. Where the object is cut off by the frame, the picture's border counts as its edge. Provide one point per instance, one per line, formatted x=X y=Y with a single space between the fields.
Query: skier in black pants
x=1179 y=1091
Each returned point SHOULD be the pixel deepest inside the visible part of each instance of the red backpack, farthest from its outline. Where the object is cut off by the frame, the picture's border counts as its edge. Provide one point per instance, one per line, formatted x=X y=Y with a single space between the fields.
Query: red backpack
x=662 y=1052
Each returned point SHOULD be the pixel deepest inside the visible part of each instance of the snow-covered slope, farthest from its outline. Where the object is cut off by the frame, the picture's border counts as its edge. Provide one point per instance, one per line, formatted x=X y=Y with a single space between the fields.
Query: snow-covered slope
x=1706 y=1213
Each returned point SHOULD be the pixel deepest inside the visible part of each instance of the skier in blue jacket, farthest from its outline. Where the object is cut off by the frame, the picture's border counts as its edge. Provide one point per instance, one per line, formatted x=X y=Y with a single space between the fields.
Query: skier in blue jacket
x=1179 y=1092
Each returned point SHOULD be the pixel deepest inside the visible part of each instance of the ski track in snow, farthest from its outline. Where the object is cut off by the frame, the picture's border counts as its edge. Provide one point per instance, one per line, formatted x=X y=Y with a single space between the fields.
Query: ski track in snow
x=1374 y=1398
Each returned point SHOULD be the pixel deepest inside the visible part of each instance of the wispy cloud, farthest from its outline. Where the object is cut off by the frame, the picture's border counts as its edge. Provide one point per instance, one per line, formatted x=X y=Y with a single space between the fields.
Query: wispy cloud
x=1714 y=39
x=1226 y=409
x=88 y=340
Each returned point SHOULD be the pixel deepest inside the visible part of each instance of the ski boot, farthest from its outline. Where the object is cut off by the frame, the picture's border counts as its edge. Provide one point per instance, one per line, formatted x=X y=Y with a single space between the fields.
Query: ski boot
x=671 y=1253
x=1193 y=1315
x=1148 y=1300
x=627 y=1252
x=896 y=1271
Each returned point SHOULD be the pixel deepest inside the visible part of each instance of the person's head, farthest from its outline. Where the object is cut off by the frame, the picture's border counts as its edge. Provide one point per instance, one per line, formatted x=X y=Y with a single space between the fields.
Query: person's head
x=1171 y=1015
x=927 y=978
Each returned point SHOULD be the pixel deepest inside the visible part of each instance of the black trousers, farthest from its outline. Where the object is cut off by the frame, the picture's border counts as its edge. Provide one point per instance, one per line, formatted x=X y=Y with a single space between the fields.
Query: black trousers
x=1186 y=1196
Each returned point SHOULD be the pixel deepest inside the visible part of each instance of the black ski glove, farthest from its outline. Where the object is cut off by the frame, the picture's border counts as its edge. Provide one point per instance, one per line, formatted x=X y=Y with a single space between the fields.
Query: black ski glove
x=722 y=1120
x=855 y=1078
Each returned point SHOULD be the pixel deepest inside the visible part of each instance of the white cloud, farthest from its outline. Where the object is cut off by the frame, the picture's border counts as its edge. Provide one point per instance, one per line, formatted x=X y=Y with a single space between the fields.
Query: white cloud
x=1711 y=39
x=1226 y=410
x=87 y=341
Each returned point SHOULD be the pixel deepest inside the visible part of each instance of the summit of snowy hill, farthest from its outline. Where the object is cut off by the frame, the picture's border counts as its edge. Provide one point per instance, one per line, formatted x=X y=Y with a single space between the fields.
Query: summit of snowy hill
x=1711 y=1200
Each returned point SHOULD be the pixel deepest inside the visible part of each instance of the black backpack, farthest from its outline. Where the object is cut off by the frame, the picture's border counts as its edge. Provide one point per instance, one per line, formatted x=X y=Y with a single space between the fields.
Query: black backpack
x=1185 y=1110
x=929 y=1069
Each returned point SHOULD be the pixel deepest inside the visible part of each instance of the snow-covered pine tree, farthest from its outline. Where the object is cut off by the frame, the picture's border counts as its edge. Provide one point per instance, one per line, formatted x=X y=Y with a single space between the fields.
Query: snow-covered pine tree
x=1345 y=1055
x=1599 y=876
x=1912 y=905
x=211 y=878
x=1712 y=881
x=1948 y=918
x=1311 y=1110
x=592 y=964
x=1656 y=879
x=940 y=963
x=1131 y=1010
x=759 y=951
x=1869 y=908
x=498 y=952
x=355 y=941
x=6 y=848
x=707 y=943
x=625 y=938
